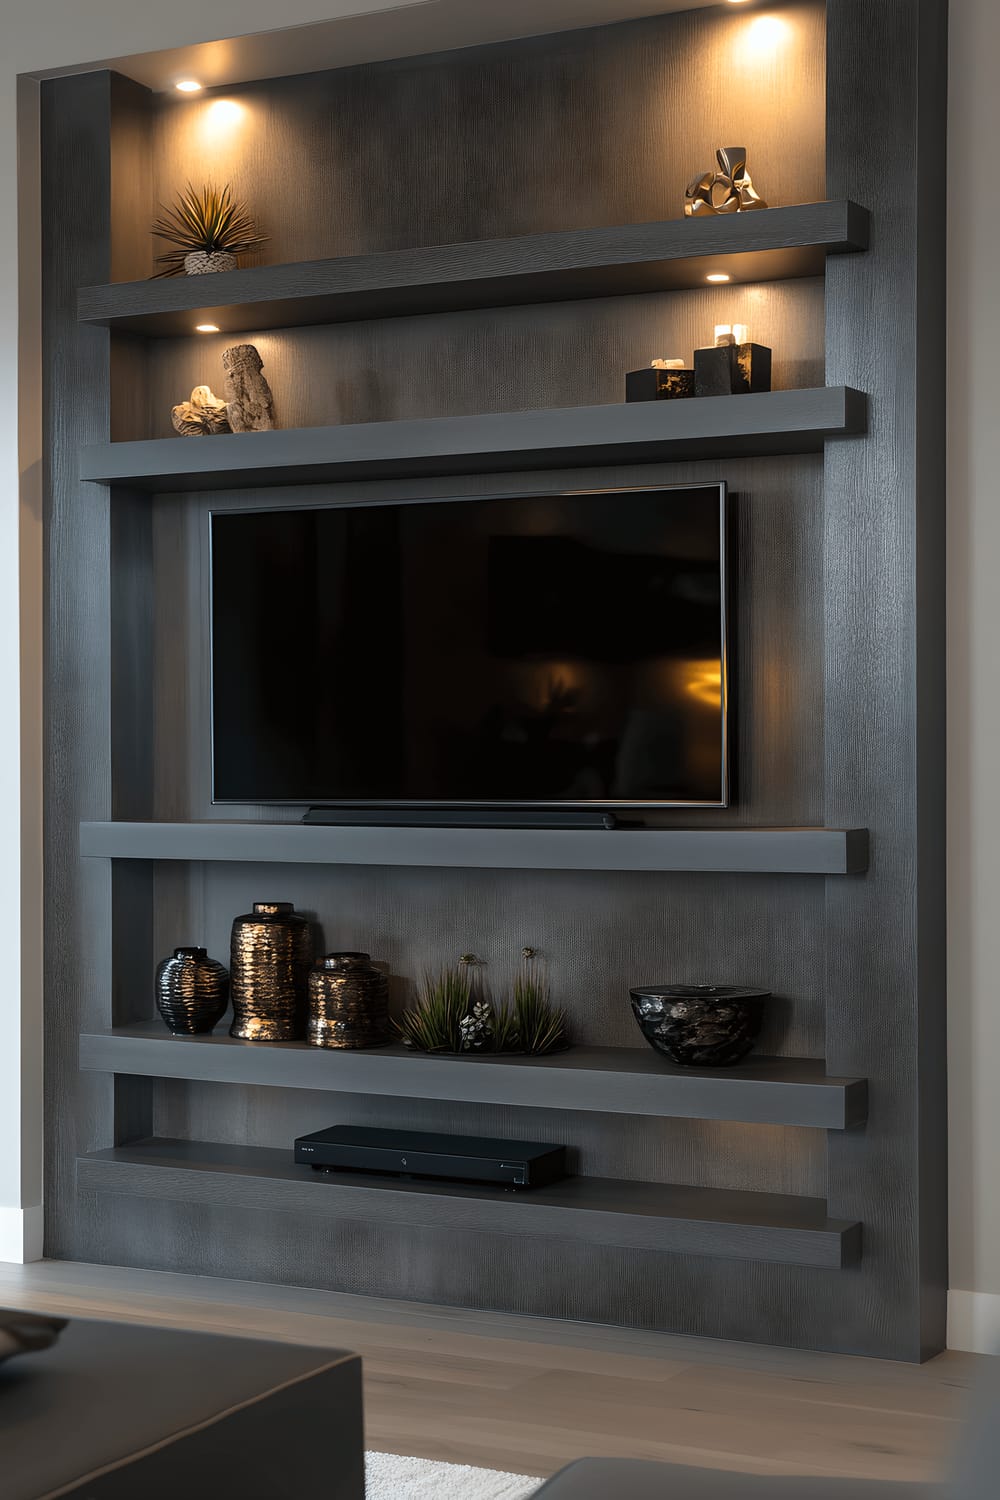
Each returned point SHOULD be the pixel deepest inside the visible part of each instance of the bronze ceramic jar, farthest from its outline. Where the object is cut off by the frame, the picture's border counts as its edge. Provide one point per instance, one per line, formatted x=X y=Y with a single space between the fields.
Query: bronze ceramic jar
x=192 y=991
x=270 y=955
x=348 y=1002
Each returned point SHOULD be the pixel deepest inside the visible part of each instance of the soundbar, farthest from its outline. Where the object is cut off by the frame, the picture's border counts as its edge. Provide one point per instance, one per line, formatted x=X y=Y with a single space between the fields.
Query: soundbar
x=359 y=815
x=416 y=1153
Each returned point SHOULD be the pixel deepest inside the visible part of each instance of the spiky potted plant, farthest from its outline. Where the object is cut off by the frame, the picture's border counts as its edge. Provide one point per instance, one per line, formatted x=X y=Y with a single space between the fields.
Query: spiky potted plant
x=444 y=1003
x=208 y=229
x=539 y=1024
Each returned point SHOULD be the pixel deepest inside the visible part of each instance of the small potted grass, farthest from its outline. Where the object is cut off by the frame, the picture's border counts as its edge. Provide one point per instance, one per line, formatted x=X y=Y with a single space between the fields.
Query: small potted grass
x=209 y=229
x=454 y=1012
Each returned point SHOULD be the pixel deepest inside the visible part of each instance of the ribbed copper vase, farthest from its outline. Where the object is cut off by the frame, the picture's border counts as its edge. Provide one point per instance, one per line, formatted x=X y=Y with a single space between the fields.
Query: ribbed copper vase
x=348 y=1002
x=192 y=991
x=270 y=956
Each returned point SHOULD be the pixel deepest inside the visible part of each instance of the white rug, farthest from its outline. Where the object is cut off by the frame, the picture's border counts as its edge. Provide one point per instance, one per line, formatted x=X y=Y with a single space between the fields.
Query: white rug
x=389 y=1477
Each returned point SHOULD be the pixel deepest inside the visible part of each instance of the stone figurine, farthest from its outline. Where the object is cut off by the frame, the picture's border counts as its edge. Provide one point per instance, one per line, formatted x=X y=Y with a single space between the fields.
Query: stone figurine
x=251 y=405
x=728 y=191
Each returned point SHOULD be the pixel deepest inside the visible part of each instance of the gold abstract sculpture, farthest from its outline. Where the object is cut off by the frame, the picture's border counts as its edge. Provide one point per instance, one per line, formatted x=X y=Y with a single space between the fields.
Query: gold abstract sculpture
x=202 y=416
x=728 y=191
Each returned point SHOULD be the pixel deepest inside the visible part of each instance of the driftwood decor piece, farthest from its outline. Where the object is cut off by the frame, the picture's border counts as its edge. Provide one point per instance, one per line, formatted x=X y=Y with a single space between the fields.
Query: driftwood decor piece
x=251 y=405
x=202 y=416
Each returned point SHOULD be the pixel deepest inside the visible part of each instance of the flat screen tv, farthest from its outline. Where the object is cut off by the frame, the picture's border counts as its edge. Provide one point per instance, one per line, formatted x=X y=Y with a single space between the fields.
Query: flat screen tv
x=559 y=650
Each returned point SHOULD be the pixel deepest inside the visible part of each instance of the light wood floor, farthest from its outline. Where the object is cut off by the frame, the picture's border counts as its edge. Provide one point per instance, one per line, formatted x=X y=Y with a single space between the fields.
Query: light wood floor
x=530 y=1395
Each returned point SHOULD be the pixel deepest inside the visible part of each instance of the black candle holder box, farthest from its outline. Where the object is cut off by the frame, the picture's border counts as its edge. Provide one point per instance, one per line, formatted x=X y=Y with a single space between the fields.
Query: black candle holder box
x=732 y=370
x=658 y=385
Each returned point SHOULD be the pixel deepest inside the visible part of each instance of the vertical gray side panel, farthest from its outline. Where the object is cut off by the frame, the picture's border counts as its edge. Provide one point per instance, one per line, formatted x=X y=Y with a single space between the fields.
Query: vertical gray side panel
x=884 y=559
x=92 y=150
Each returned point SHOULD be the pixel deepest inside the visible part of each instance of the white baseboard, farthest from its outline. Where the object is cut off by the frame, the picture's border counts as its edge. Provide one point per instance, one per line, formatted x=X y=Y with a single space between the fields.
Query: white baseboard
x=974 y=1322
x=21 y=1234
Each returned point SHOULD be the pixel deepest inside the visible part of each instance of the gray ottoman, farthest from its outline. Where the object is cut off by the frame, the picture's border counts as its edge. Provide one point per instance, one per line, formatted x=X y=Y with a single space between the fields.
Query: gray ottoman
x=636 y=1479
x=118 y=1412
x=974 y=1473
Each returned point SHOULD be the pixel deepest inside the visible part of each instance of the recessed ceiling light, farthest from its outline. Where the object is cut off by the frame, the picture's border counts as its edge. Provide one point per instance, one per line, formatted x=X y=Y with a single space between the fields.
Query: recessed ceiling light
x=206 y=328
x=718 y=276
x=188 y=86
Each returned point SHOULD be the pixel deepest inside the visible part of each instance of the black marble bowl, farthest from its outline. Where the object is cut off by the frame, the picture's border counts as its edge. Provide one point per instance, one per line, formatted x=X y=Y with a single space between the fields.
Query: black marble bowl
x=699 y=1025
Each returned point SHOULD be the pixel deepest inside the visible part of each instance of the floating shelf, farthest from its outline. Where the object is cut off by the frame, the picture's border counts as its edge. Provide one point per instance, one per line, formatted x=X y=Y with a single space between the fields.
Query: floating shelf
x=642 y=432
x=767 y=245
x=633 y=1215
x=610 y=1080
x=765 y=851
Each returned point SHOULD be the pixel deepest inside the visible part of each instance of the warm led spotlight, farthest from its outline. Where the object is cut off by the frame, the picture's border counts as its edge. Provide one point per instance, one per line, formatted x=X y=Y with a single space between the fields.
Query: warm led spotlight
x=765 y=34
x=224 y=113
x=717 y=277
x=188 y=86
x=206 y=328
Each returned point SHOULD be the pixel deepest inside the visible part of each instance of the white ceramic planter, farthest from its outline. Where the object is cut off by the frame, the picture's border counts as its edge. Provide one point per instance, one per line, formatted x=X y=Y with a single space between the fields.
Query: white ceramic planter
x=202 y=262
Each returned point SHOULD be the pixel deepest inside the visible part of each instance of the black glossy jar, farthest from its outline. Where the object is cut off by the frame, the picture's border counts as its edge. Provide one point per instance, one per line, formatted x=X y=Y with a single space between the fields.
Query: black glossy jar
x=700 y=1025
x=192 y=991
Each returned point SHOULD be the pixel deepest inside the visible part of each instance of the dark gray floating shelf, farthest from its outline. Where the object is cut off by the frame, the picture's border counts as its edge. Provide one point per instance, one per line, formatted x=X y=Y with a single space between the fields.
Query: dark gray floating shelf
x=610 y=1080
x=643 y=432
x=767 y=245
x=765 y=851
x=633 y=1215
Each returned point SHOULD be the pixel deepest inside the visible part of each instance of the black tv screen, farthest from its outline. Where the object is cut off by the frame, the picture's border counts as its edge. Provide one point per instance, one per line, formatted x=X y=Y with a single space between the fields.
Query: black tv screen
x=564 y=649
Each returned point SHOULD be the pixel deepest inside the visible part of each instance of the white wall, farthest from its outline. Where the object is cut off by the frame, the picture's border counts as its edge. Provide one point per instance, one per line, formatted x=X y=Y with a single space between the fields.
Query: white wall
x=50 y=34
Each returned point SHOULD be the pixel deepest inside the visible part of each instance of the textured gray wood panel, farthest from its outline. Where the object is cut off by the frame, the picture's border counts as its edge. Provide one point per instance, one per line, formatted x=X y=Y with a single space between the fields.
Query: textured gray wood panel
x=600 y=933
x=133 y=1109
x=131 y=583
x=636 y=1215
x=741 y=426
x=713 y=1298
x=754 y=851
x=705 y=1153
x=129 y=194
x=609 y=262
x=493 y=360
x=76 y=242
x=132 y=889
x=875 y=956
x=611 y=1080
x=579 y=129
x=779 y=627
x=884 y=681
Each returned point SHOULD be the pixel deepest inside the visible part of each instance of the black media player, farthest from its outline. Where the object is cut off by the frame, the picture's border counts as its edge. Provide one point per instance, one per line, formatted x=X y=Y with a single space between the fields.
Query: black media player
x=415 y=1153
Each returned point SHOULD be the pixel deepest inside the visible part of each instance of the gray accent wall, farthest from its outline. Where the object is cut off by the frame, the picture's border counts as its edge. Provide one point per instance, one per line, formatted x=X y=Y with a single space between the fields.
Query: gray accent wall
x=840 y=696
